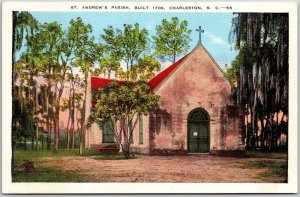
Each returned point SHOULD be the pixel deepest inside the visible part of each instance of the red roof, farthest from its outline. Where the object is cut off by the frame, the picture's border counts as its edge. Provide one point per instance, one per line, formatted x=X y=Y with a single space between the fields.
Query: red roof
x=98 y=82
x=153 y=83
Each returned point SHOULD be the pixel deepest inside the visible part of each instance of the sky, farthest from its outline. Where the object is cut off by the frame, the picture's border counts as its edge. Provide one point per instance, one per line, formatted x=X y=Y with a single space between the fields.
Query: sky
x=215 y=37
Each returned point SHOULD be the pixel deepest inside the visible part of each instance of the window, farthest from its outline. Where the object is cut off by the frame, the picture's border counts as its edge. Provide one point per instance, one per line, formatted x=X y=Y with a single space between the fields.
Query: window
x=108 y=133
x=131 y=132
x=141 y=135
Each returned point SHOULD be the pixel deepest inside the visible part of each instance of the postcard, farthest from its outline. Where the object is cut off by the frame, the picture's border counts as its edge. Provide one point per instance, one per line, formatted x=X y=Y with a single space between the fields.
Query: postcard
x=149 y=97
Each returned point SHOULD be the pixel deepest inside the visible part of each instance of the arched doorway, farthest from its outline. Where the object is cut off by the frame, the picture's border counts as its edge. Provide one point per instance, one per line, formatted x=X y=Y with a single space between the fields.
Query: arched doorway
x=198 y=131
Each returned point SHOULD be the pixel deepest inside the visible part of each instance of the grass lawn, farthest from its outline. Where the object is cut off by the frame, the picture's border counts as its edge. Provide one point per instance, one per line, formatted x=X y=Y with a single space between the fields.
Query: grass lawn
x=32 y=155
x=276 y=167
x=67 y=166
x=48 y=174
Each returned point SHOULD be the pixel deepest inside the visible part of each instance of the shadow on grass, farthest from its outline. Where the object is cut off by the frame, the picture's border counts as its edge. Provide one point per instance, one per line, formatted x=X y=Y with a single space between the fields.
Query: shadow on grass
x=48 y=175
x=265 y=154
x=33 y=155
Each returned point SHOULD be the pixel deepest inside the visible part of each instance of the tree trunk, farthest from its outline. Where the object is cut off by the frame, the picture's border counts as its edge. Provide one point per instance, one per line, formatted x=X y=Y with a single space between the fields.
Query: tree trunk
x=57 y=110
x=48 y=134
x=36 y=137
x=56 y=126
x=81 y=144
x=68 y=130
x=36 y=116
x=73 y=136
x=48 y=124
x=83 y=118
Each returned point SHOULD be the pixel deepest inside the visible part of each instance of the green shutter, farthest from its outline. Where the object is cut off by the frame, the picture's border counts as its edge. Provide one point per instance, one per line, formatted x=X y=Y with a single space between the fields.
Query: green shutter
x=131 y=132
x=108 y=133
x=141 y=135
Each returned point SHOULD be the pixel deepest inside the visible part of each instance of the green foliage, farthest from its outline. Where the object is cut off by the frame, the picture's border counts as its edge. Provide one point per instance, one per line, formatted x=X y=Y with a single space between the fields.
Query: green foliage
x=129 y=45
x=85 y=50
x=126 y=99
x=23 y=122
x=172 y=39
x=143 y=70
x=23 y=26
x=232 y=73
x=108 y=65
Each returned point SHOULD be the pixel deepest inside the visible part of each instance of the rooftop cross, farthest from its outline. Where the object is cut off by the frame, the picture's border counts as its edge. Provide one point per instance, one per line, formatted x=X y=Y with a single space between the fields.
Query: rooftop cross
x=200 y=31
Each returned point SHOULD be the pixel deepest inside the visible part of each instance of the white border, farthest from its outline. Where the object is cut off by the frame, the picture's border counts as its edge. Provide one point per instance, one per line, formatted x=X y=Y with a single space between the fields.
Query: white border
x=8 y=187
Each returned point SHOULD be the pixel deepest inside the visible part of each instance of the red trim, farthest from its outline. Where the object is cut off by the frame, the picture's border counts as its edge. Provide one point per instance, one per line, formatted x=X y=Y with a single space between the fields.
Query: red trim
x=155 y=81
x=101 y=82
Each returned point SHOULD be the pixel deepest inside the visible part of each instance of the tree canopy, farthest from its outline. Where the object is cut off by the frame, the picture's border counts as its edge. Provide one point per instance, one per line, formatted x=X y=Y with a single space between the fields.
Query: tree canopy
x=172 y=39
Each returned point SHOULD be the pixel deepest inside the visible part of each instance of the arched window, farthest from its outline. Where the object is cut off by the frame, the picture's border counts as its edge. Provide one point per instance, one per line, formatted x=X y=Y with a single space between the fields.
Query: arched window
x=199 y=115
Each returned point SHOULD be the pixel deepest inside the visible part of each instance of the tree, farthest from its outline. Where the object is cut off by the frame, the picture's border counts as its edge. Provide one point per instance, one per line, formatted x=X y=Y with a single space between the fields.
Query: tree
x=28 y=68
x=128 y=45
x=172 y=39
x=86 y=54
x=23 y=24
x=119 y=106
x=263 y=40
x=49 y=37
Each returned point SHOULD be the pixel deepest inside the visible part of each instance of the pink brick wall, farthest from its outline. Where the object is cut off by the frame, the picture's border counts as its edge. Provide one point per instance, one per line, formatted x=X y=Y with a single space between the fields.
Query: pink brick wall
x=198 y=82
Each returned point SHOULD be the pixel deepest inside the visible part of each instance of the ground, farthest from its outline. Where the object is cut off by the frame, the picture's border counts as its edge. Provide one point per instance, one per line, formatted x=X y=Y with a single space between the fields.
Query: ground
x=189 y=168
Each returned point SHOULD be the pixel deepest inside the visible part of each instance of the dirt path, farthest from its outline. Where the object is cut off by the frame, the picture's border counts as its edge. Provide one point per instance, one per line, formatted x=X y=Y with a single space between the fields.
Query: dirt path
x=191 y=168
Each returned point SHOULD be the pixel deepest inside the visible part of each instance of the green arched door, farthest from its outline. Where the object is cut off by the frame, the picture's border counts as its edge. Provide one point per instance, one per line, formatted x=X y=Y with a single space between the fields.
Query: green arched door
x=198 y=131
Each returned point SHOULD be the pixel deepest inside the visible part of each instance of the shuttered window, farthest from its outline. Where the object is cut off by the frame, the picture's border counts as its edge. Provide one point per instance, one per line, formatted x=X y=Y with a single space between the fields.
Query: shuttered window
x=108 y=133
x=141 y=135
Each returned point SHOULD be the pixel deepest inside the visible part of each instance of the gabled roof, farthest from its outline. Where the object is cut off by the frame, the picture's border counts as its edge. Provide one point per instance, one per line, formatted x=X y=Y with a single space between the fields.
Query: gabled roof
x=160 y=78
x=155 y=81
x=98 y=82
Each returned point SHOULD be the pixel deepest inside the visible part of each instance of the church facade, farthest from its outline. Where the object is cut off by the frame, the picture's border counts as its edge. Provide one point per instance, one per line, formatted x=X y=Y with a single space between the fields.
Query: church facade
x=196 y=112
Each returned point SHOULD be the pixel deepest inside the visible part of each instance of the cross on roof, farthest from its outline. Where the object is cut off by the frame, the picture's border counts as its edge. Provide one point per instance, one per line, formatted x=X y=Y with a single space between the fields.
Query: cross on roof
x=200 y=31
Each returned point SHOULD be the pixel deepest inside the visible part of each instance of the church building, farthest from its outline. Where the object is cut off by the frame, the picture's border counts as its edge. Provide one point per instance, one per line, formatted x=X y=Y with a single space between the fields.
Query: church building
x=196 y=112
